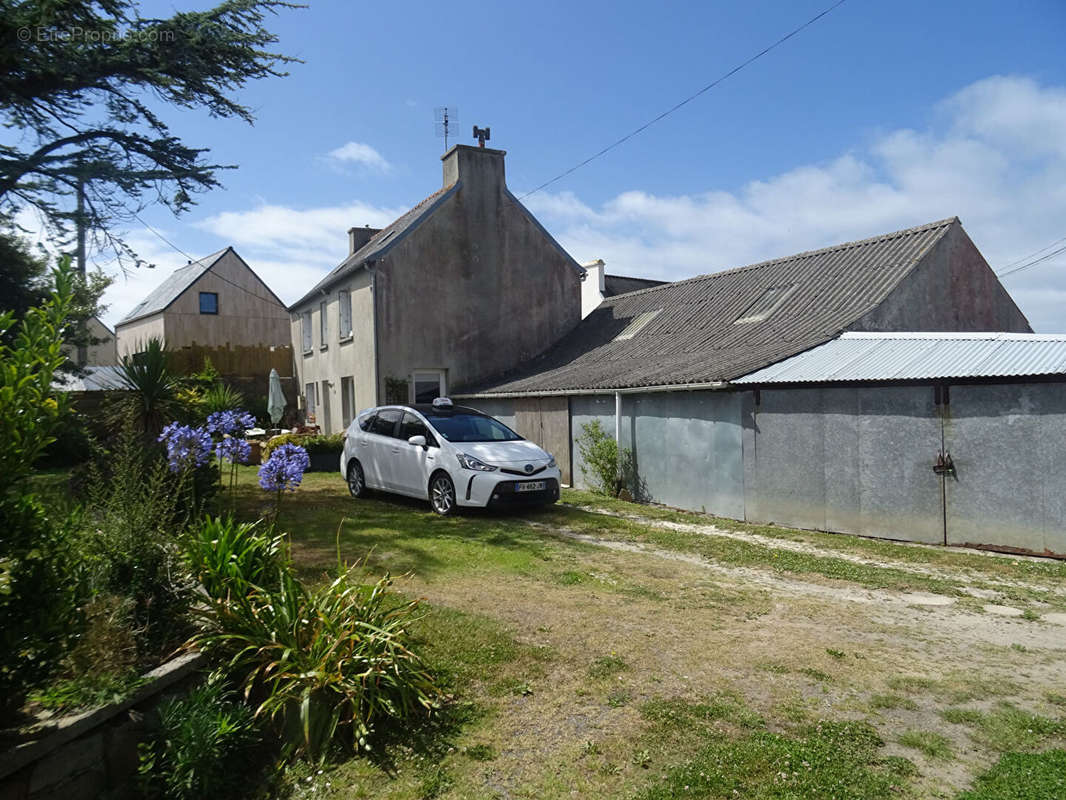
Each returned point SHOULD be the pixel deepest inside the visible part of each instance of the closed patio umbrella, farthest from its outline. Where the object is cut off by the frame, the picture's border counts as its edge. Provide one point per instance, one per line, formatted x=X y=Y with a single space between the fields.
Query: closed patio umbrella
x=275 y=398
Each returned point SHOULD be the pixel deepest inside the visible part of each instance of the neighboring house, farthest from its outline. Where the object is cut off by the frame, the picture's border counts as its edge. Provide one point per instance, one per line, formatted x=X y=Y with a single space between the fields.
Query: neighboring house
x=218 y=301
x=598 y=285
x=463 y=286
x=101 y=354
x=888 y=387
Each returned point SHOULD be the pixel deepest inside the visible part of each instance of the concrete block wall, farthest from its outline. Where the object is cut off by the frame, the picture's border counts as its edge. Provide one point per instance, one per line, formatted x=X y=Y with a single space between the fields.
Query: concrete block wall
x=93 y=754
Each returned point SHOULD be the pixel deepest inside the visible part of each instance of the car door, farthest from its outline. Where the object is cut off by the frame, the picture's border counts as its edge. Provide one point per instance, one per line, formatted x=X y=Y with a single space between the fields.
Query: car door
x=382 y=442
x=412 y=464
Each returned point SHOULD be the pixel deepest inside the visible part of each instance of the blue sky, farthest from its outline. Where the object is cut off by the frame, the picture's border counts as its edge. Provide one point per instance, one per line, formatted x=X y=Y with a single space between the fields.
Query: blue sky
x=880 y=116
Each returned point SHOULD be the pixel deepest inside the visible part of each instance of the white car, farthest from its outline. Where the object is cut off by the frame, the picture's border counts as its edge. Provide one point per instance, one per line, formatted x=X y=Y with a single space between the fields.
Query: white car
x=447 y=454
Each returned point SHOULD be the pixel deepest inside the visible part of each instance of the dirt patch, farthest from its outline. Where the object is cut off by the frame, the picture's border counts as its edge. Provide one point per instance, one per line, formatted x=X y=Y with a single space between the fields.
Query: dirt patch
x=795 y=649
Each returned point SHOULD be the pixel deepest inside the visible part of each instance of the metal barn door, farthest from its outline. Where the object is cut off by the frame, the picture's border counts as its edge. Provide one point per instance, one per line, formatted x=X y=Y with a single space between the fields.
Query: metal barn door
x=1007 y=488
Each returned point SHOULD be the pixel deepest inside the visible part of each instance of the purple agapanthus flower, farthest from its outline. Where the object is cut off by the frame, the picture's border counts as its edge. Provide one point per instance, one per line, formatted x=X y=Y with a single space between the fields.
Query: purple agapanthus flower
x=186 y=446
x=284 y=469
x=230 y=423
x=237 y=451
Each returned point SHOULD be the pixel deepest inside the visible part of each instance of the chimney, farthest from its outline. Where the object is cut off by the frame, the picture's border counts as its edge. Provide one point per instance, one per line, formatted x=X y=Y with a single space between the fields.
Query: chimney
x=593 y=287
x=357 y=237
x=474 y=166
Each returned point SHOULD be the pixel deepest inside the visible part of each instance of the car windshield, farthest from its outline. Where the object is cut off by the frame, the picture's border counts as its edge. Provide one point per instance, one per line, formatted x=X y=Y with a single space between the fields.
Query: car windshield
x=461 y=427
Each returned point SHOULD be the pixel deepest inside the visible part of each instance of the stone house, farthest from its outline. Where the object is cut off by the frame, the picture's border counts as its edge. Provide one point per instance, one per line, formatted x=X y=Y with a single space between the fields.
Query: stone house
x=465 y=285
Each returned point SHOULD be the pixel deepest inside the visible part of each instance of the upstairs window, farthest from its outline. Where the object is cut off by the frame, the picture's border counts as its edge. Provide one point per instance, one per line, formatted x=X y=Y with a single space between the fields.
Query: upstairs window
x=305 y=328
x=323 y=326
x=208 y=302
x=768 y=302
x=344 y=303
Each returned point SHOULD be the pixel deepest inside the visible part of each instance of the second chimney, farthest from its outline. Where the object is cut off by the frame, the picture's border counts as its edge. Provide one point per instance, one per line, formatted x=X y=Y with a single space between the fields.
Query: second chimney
x=357 y=237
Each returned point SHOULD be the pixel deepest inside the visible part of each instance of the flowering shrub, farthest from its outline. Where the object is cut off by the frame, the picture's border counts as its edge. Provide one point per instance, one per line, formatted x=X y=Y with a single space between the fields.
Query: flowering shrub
x=187 y=447
x=284 y=469
x=230 y=423
x=236 y=451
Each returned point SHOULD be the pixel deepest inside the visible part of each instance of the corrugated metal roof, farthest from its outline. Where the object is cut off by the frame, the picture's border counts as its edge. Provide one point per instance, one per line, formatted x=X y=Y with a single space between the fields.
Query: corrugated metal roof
x=695 y=339
x=920 y=356
x=94 y=379
x=170 y=289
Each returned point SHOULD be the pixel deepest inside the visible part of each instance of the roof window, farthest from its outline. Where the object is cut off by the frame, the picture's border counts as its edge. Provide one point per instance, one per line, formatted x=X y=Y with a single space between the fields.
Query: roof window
x=636 y=325
x=768 y=302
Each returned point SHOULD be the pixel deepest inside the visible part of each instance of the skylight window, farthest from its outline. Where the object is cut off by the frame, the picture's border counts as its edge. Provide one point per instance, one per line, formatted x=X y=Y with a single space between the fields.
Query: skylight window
x=766 y=305
x=636 y=325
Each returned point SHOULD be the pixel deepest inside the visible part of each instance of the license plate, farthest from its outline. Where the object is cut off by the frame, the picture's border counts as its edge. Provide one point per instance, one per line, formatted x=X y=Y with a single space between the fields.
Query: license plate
x=530 y=486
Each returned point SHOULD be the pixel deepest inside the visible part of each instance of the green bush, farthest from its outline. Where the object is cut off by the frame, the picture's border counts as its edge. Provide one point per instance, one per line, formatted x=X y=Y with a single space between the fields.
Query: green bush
x=324 y=664
x=200 y=749
x=129 y=544
x=226 y=556
x=607 y=466
x=38 y=586
x=333 y=443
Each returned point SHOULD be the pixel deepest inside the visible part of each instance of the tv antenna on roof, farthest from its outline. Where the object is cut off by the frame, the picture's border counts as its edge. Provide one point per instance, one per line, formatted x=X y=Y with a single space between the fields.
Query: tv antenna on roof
x=445 y=117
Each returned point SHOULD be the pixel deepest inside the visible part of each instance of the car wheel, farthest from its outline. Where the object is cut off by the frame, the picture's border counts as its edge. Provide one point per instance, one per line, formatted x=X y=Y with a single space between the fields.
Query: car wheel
x=356 y=480
x=442 y=494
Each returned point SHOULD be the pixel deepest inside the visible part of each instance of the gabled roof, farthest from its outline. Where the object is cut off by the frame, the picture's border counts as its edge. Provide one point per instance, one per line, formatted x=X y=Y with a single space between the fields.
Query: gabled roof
x=858 y=356
x=171 y=289
x=697 y=335
x=379 y=243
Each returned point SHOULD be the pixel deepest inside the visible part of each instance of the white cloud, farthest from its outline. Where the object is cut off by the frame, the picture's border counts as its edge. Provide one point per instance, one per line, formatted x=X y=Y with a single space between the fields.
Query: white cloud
x=995 y=157
x=360 y=154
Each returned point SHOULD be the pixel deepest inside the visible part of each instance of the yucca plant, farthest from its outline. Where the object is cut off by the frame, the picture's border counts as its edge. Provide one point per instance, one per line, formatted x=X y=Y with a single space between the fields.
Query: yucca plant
x=323 y=664
x=153 y=387
x=221 y=397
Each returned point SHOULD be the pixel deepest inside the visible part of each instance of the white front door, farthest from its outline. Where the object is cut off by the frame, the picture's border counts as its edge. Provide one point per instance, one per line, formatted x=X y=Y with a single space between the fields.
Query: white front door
x=427 y=385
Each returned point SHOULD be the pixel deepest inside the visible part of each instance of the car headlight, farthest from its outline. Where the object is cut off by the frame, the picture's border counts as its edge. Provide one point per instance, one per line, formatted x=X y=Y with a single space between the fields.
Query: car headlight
x=469 y=462
x=551 y=461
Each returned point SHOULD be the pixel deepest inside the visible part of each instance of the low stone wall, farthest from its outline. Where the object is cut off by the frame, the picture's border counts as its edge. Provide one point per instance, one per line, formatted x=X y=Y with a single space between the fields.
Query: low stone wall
x=93 y=753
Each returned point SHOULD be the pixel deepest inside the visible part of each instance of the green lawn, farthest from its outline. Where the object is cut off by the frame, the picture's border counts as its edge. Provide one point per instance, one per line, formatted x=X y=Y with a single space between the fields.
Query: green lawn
x=608 y=656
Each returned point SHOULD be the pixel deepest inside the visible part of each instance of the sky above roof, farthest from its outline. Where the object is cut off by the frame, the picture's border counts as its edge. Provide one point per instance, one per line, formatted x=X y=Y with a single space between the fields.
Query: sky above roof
x=878 y=117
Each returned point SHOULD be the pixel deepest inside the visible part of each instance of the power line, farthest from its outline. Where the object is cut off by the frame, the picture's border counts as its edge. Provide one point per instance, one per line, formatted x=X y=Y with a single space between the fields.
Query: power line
x=163 y=238
x=1034 y=262
x=1041 y=250
x=222 y=278
x=687 y=100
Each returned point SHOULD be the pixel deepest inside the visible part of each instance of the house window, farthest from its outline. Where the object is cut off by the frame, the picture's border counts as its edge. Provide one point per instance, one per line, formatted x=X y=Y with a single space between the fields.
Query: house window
x=347 y=400
x=323 y=326
x=208 y=302
x=310 y=390
x=428 y=385
x=344 y=304
x=305 y=327
x=768 y=302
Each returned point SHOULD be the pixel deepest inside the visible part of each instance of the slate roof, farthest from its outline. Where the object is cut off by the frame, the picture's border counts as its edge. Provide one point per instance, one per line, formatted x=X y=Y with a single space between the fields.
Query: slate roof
x=379 y=243
x=694 y=338
x=623 y=284
x=907 y=356
x=170 y=289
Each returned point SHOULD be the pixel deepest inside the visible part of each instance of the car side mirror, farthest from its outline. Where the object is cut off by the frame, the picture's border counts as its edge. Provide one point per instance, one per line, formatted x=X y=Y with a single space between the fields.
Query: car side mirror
x=417 y=441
